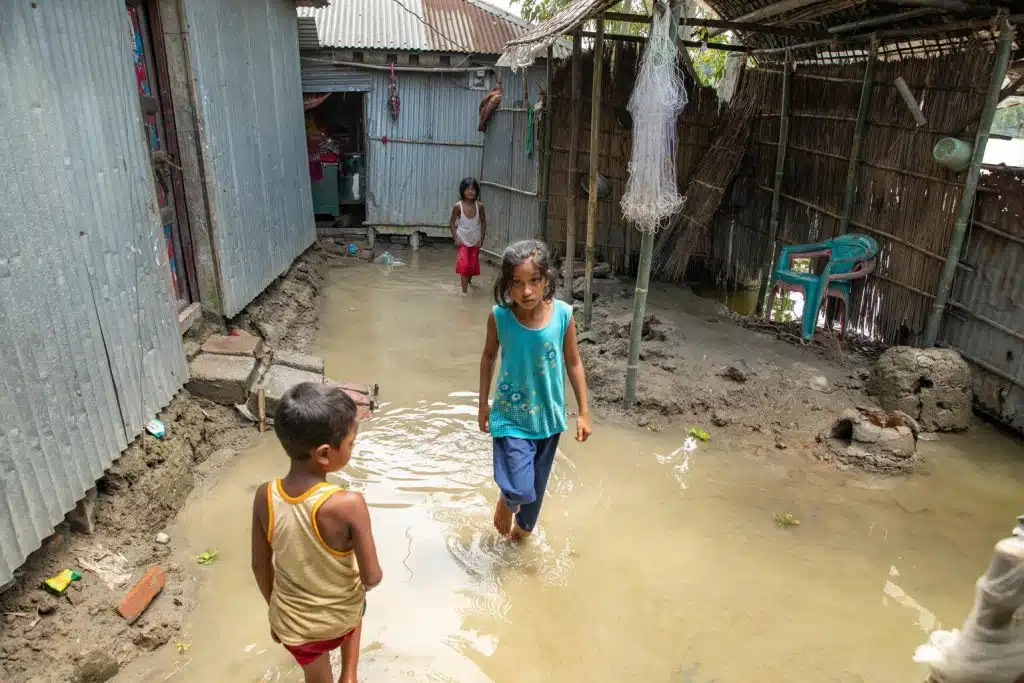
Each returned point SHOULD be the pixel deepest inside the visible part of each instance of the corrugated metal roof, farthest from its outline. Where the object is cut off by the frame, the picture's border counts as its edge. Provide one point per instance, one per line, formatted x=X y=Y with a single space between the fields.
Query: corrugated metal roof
x=460 y=26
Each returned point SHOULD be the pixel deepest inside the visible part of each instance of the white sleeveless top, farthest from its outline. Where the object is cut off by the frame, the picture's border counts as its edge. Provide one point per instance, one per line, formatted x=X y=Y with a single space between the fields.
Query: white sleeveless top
x=468 y=229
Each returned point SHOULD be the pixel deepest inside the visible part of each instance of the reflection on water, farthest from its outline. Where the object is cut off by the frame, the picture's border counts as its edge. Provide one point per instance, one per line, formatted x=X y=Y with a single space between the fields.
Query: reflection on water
x=655 y=560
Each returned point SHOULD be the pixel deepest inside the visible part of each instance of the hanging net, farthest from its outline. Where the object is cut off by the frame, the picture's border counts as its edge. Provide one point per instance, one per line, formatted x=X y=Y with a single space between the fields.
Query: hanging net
x=659 y=94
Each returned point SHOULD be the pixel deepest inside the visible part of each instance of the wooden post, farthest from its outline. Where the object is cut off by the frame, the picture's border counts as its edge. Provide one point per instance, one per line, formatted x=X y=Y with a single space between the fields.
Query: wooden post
x=780 y=167
x=545 y=178
x=571 y=219
x=643 y=274
x=595 y=158
x=850 y=192
x=963 y=213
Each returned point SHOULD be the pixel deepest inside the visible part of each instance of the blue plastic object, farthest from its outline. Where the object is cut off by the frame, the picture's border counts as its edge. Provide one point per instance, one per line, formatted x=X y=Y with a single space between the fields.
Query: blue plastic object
x=850 y=257
x=352 y=249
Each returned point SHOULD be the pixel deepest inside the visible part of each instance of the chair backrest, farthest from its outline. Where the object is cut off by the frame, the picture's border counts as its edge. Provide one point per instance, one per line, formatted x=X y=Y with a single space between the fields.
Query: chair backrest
x=849 y=251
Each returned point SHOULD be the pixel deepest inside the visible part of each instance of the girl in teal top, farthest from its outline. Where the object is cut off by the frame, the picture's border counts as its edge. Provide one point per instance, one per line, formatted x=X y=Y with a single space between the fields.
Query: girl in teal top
x=536 y=337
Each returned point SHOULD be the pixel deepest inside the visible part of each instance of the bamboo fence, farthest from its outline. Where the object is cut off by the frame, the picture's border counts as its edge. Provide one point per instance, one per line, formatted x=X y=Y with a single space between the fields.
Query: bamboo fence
x=905 y=200
x=617 y=243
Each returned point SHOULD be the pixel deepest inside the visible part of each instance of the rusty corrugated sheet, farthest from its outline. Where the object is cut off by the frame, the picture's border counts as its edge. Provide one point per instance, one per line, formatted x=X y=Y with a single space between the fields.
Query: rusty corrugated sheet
x=460 y=26
x=91 y=348
x=472 y=26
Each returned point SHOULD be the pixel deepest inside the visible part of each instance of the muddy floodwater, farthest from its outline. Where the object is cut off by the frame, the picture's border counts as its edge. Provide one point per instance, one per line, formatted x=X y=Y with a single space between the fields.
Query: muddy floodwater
x=649 y=565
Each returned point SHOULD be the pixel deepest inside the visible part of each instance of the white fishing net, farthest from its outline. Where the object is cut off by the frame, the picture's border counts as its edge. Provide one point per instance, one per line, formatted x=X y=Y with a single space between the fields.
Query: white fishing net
x=659 y=94
x=987 y=650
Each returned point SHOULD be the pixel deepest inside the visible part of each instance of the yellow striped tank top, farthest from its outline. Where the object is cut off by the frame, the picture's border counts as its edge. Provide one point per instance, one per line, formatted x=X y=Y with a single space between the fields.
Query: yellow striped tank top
x=318 y=594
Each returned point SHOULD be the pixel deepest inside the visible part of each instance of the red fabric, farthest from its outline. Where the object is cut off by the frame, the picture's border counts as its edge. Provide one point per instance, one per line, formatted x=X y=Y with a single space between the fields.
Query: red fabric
x=468 y=262
x=307 y=653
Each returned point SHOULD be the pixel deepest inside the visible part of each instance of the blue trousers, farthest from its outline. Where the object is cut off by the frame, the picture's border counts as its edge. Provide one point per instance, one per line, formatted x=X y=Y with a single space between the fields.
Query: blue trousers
x=521 y=469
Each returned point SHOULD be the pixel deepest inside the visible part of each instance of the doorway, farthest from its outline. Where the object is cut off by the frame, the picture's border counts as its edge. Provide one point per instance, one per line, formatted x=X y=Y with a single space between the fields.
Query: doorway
x=158 y=124
x=336 y=140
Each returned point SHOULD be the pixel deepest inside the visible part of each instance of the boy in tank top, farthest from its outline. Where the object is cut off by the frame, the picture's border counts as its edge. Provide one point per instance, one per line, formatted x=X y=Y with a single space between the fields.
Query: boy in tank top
x=313 y=553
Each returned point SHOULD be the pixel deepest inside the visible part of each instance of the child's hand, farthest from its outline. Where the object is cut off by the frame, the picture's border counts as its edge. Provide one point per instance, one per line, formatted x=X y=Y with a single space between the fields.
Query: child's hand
x=483 y=418
x=582 y=428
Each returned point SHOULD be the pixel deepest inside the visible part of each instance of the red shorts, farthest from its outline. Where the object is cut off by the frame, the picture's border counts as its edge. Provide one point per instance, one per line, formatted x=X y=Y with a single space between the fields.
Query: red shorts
x=468 y=262
x=307 y=653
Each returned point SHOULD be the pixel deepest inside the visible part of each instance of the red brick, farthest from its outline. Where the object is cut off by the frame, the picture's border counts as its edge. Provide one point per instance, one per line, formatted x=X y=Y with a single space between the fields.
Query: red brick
x=351 y=388
x=143 y=593
x=242 y=344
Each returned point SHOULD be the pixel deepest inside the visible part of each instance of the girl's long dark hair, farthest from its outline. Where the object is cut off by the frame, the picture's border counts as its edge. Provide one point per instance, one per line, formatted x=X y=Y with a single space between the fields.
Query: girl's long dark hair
x=465 y=185
x=517 y=254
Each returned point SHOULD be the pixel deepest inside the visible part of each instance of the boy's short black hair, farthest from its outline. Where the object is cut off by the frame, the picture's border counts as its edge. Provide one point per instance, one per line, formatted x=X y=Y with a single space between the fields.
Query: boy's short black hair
x=517 y=254
x=310 y=415
x=466 y=184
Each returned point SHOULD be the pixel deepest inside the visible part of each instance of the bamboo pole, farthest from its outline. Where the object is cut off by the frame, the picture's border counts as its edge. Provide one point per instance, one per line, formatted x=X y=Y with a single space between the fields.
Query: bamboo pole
x=643 y=275
x=595 y=159
x=963 y=214
x=641 y=40
x=772 y=10
x=850 y=192
x=780 y=167
x=571 y=218
x=545 y=178
x=631 y=18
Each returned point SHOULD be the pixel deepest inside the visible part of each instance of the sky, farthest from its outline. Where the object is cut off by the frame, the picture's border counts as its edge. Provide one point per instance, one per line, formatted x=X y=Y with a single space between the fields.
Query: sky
x=505 y=5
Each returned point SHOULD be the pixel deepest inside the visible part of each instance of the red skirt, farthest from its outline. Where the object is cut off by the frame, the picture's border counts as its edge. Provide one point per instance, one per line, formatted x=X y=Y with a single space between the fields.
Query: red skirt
x=468 y=262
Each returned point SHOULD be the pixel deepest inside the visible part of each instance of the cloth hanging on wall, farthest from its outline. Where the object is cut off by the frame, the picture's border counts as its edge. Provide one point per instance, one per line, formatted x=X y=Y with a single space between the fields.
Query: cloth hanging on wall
x=394 y=103
x=314 y=100
x=531 y=126
x=489 y=104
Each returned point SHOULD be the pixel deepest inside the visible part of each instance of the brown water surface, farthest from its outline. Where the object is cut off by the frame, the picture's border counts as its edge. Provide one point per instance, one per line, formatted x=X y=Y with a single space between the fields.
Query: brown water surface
x=649 y=564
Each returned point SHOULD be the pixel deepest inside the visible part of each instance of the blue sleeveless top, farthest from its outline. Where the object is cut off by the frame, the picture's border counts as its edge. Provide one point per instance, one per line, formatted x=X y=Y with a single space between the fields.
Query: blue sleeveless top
x=529 y=399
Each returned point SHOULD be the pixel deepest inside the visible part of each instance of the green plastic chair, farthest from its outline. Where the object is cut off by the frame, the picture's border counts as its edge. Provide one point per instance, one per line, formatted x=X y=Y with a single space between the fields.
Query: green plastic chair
x=850 y=257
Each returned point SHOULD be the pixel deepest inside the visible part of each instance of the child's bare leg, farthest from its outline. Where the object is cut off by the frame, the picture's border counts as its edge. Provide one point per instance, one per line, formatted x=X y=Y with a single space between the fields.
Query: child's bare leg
x=350 y=656
x=503 y=517
x=319 y=671
x=465 y=284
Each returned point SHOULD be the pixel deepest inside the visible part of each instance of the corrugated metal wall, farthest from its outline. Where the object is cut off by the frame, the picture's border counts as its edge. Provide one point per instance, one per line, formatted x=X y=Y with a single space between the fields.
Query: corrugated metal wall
x=90 y=330
x=413 y=178
x=513 y=209
x=985 y=317
x=325 y=77
x=245 y=57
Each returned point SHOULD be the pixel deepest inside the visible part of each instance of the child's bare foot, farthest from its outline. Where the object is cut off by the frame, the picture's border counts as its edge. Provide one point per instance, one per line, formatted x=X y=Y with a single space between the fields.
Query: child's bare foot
x=503 y=517
x=518 y=535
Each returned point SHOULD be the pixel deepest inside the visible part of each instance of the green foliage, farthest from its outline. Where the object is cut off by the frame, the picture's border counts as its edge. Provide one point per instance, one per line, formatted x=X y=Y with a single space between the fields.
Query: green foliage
x=709 y=64
x=1009 y=121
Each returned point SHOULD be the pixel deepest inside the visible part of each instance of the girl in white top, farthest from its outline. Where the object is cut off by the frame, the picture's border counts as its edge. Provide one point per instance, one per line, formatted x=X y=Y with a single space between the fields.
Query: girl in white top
x=468 y=225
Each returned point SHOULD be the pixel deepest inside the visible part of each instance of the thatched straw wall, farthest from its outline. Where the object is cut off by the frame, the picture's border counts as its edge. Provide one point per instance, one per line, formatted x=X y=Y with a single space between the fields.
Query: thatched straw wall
x=905 y=200
x=617 y=243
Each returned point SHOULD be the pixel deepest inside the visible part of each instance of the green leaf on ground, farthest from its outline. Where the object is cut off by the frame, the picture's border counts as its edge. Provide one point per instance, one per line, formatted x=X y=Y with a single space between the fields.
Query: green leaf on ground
x=785 y=521
x=698 y=433
x=207 y=557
